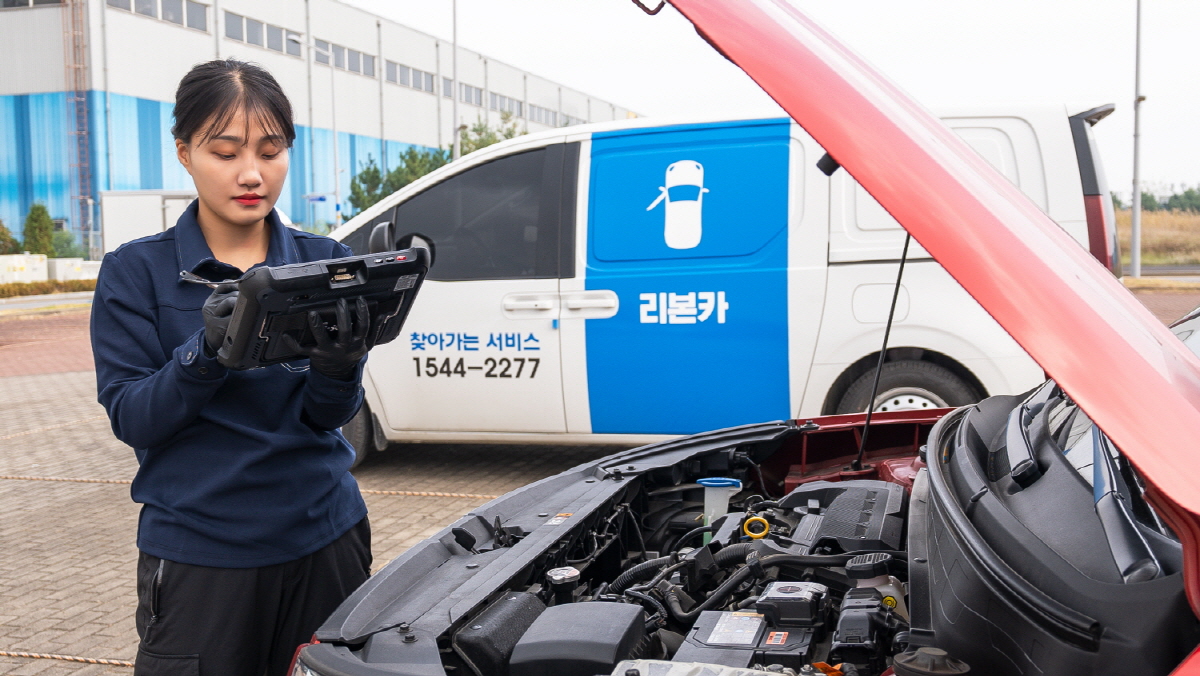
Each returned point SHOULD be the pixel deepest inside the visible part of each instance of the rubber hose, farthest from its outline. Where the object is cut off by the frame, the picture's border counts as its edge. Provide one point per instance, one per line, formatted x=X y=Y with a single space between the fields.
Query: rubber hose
x=733 y=554
x=638 y=573
x=691 y=534
x=716 y=600
x=721 y=593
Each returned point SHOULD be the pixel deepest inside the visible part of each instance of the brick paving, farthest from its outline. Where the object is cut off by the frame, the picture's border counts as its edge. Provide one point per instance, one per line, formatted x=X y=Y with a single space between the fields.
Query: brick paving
x=67 y=557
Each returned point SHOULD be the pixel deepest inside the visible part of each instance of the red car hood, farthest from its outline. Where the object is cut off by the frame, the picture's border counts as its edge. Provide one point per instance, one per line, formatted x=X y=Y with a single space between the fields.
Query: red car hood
x=1124 y=368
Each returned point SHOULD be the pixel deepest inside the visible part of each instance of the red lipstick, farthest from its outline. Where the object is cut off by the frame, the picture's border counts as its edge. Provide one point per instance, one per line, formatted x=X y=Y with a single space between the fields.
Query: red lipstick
x=249 y=199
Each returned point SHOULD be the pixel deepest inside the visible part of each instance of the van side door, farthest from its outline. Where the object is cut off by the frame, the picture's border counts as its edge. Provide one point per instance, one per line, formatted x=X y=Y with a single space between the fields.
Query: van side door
x=687 y=229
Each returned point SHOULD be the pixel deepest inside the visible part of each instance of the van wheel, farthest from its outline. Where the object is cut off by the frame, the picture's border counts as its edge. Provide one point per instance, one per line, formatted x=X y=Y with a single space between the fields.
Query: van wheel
x=360 y=433
x=909 y=385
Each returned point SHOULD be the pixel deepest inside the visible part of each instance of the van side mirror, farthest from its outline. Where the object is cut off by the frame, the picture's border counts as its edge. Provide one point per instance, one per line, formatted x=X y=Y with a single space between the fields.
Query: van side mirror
x=418 y=241
x=382 y=238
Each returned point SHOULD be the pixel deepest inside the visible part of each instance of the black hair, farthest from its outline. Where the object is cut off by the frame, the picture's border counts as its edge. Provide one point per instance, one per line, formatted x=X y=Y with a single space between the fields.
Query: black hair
x=212 y=93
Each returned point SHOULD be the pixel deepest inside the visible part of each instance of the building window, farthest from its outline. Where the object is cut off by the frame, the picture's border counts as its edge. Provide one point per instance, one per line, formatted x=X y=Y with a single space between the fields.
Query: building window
x=172 y=10
x=469 y=94
x=344 y=58
x=252 y=32
x=234 y=27
x=447 y=87
x=7 y=4
x=543 y=115
x=505 y=104
x=426 y=81
x=147 y=7
x=197 y=16
x=119 y=4
x=293 y=43
x=274 y=38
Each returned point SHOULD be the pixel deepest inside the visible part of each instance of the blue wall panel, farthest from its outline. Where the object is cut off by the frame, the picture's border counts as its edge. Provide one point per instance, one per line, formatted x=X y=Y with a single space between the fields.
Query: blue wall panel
x=35 y=156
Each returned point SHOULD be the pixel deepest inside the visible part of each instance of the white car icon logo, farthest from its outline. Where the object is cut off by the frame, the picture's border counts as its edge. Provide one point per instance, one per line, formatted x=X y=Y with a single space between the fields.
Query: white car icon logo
x=683 y=191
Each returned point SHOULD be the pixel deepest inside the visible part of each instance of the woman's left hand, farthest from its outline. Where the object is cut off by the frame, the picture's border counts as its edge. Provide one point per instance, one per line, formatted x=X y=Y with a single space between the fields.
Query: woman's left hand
x=336 y=356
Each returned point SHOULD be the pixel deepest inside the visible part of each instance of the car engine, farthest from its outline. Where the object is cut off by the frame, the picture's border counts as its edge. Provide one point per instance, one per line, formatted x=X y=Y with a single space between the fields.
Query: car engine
x=798 y=585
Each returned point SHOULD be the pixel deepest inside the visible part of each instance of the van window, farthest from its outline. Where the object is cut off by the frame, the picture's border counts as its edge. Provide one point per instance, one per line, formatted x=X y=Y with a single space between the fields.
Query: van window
x=493 y=221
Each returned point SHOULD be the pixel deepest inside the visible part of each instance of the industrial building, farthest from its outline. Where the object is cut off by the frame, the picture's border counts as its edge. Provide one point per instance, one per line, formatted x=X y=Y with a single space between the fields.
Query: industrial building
x=87 y=94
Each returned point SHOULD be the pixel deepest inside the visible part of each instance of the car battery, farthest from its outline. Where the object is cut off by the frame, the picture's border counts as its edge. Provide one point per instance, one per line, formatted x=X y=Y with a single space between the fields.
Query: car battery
x=794 y=604
x=743 y=639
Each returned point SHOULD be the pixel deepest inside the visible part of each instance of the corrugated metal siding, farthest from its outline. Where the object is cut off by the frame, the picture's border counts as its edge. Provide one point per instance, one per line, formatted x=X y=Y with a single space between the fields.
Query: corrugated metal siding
x=35 y=156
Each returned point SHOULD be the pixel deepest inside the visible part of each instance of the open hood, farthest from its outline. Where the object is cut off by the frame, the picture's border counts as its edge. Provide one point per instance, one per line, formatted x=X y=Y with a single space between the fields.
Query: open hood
x=1138 y=382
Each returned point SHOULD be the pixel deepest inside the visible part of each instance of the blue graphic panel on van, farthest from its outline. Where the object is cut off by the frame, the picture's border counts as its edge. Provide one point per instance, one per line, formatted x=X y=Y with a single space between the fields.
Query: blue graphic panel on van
x=688 y=225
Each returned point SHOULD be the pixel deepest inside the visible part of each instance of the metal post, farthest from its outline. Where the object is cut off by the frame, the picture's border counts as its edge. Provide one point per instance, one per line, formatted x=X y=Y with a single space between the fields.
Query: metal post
x=337 y=165
x=455 y=149
x=1135 y=254
x=312 y=125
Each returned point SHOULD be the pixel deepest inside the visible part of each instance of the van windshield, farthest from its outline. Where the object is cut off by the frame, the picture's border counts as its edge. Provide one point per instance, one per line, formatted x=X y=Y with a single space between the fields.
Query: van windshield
x=683 y=193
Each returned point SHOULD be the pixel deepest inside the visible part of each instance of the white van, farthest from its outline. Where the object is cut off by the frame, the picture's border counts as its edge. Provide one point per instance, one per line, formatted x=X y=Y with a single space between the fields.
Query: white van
x=560 y=308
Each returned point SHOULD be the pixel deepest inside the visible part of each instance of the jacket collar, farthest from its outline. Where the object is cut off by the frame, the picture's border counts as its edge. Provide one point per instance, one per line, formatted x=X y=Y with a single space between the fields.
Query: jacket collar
x=196 y=257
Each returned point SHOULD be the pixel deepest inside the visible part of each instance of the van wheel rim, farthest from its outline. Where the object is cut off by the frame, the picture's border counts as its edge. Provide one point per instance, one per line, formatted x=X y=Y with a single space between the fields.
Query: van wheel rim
x=908 y=399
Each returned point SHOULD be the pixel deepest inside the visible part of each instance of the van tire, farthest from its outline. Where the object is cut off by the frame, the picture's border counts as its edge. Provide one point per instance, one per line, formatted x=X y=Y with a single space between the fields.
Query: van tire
x=361 y=434
x=923 y=384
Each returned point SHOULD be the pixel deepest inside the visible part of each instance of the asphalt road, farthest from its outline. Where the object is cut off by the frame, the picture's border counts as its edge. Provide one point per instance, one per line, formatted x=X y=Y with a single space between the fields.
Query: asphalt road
x=67 y=525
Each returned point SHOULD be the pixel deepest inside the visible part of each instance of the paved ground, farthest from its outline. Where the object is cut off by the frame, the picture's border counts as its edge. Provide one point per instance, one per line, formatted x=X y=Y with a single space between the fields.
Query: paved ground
x=67 y=548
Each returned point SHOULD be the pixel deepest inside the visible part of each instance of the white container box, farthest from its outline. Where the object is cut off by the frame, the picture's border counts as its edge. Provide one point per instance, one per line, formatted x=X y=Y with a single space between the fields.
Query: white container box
x=64 y=269
x=23 y=268
x=89 y=270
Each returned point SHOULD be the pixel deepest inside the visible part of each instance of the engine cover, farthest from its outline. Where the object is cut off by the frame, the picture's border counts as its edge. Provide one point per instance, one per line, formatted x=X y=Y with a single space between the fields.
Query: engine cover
x=847 y=516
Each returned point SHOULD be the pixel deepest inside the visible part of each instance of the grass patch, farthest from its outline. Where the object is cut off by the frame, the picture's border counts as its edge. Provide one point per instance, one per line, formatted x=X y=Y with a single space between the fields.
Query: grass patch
x=14 y=289
x=1168 y=237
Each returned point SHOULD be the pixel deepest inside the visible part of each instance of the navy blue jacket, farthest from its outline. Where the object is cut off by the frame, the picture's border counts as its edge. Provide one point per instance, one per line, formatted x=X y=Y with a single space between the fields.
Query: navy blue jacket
x=238 y=469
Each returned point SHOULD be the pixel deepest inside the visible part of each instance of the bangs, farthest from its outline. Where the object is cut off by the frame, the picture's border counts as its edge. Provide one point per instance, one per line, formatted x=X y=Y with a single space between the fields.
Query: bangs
x=255 y=112
x=212 y=95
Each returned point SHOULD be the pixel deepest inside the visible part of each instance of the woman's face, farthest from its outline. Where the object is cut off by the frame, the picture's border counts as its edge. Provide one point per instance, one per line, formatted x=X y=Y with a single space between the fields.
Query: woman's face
x=239 y=171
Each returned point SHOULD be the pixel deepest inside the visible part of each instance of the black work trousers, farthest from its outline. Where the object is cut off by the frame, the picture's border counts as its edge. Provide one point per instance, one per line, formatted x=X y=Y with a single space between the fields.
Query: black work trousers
x=202 y=621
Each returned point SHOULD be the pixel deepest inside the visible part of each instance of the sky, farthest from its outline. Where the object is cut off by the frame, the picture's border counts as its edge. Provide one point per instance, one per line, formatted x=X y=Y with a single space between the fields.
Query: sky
x=942 y=52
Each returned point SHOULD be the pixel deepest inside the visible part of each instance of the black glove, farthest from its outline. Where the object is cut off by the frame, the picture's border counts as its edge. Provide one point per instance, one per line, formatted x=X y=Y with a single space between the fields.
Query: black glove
x=338 y=357
x=218 y=310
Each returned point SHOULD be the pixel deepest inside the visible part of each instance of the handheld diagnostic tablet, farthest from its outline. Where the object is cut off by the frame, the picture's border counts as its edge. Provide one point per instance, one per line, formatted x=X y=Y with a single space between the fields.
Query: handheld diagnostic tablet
x=275 y=301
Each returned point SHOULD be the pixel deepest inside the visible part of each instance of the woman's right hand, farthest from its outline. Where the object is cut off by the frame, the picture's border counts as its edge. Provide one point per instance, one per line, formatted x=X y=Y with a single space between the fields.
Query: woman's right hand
x=218 y=310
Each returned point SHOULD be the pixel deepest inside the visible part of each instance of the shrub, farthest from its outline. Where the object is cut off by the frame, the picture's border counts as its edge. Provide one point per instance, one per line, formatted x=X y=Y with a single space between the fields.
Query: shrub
x=14 y=289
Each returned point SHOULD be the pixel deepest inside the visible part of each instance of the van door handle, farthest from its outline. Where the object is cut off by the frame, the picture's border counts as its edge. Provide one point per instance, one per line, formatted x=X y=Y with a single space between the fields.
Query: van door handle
x=540 y=304
x=590 y=303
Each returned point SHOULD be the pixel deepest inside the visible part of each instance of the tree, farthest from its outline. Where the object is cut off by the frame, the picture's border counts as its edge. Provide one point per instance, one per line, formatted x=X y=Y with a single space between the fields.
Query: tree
x=1149 y=202
x=366 y=187
x=8 y=243
x=372 y=185
x=482 y=135
x=65 y=245
x=39 y=231
x=1117 y=203
x=1188 y=200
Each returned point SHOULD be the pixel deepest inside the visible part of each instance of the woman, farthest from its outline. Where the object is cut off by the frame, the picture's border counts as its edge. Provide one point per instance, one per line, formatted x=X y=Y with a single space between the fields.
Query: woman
x=252 y=529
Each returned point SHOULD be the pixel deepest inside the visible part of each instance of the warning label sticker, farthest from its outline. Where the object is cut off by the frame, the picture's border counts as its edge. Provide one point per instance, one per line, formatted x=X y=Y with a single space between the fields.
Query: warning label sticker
x=736 y=629
x=777 y=638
